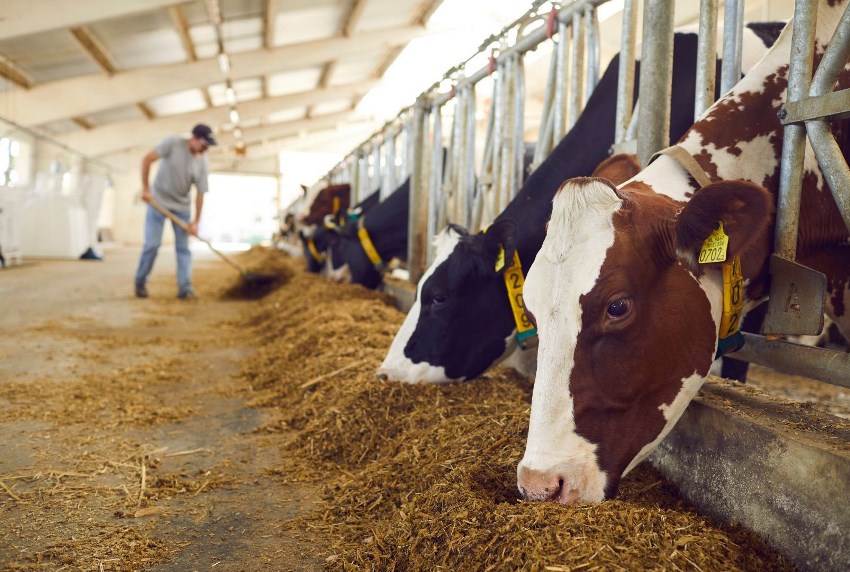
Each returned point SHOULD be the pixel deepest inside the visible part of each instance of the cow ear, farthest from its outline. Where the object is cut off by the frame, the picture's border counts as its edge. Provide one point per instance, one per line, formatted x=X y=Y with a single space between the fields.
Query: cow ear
x=745 y=209
x=618 y=168
x=500 y=235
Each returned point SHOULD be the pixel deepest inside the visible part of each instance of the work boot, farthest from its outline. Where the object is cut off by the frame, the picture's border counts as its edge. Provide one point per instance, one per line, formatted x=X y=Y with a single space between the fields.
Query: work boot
x=141 y=291
x=187 y=295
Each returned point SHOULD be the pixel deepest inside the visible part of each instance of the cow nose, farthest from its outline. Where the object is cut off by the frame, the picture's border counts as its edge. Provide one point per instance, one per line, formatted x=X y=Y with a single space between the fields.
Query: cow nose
x=537 y=485
x=382 y=375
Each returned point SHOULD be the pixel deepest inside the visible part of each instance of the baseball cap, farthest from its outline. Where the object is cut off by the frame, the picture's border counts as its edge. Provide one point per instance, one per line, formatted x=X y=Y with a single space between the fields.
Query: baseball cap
x=204 y=132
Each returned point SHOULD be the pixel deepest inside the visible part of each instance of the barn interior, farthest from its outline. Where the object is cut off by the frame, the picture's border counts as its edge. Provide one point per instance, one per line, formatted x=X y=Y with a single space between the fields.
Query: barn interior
x=245 y=427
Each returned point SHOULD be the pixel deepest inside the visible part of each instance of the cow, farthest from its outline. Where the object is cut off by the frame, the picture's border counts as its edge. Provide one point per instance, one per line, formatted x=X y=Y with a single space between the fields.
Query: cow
x=628 y=297
x=317 y=241
x=333 y=199
x=461 y=322
x=360 y=251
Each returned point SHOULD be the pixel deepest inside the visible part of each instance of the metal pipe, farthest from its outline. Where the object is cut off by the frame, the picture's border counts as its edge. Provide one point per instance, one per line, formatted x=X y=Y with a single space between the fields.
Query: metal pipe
x=435 y=176
x=706 y=57
x=655 y=79
x=794 y=136
x=469 y=183
x=417 y=246
x=528 y=42
x=591 y=24
x=518 y=143
x=733 y=35
x=544 y=133
x=577 y=76
x=626 y=71
x=561 y=99
x=795 y=359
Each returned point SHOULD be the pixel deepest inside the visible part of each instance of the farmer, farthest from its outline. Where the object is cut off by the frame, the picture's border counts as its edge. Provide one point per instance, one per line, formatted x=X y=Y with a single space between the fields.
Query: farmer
x=183 y=163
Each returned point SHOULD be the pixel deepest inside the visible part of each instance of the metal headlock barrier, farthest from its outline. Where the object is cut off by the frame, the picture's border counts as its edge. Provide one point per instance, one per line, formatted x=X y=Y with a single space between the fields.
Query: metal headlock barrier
x=446 y=186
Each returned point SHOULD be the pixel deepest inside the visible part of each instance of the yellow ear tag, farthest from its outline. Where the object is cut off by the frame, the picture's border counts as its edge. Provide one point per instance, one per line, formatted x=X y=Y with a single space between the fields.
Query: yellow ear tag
x=500 y=258
x=714 y=247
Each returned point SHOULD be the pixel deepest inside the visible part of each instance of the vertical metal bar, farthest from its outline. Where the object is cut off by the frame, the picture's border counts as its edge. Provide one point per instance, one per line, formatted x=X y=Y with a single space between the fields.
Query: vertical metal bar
x=626 y=71
x=375 y=180
x=544 y=134
x=706 y=57
x=390 y=180
x=417 y=247
x=733 y=30
x=794 y=137
x=499 y=137
x=561 y=100
x=577 y=77
x=436 y=173
x=469 y=182
x=829 y=155
x=656 y=78
x=591 y=25
x=518 y=127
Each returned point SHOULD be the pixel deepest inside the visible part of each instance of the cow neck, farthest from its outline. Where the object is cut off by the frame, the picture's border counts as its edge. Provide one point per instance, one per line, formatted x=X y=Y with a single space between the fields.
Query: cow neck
x=729 y=337
x=385 y=225
x=369 y=246
x=314 y=252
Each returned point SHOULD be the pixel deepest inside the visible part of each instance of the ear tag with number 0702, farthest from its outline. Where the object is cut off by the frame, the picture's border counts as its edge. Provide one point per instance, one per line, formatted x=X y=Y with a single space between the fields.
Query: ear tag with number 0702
x=714 y=247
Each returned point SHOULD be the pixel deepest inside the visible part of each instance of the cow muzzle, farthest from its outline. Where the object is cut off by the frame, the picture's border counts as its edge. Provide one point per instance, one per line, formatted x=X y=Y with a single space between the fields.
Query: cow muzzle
x=545 y=486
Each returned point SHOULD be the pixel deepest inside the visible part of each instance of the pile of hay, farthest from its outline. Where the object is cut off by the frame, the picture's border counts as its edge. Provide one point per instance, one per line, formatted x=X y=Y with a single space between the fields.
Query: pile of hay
x=266 y=269
x=424 y=477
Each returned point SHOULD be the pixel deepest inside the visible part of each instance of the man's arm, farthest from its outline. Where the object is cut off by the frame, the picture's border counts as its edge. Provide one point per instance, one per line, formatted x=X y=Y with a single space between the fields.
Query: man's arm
x=199 y=206
x=147 y=161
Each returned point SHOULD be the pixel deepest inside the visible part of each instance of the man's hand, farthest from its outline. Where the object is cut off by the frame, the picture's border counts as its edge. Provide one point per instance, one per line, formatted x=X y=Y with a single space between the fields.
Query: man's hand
x=146 y=195
x=193 y=228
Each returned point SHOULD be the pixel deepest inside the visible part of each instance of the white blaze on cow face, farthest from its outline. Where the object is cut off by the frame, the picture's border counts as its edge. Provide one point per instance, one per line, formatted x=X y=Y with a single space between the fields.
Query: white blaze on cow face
x=397 y=366
x=559 y=464
x=613 y=305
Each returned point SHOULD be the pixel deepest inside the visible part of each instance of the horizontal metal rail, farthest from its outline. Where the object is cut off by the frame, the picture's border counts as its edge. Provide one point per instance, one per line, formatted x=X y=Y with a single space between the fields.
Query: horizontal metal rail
x=795 y=359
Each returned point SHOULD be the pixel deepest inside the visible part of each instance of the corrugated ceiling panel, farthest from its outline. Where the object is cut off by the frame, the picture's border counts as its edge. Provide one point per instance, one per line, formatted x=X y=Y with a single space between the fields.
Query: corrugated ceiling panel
x=381 y=14
x=331 y=107
x=294 y=81
x=180 y=102
x=352 y=70
x=285 y=115
x=49 y=56
x=313 y=23
x=146 y=39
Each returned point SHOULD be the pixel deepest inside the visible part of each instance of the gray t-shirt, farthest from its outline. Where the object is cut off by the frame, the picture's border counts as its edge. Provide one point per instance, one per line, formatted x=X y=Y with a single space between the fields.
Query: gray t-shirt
x=178 y=169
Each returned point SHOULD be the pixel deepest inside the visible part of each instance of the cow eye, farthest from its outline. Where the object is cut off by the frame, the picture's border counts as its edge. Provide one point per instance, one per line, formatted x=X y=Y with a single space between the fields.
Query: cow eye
x=439 y=299
x=619 y=308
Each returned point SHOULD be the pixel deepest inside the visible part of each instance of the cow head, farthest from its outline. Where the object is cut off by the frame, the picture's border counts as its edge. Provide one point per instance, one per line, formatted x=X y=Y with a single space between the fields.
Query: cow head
x=461 y=322
x=349 y=263
x=333 y=199
x=627 y=325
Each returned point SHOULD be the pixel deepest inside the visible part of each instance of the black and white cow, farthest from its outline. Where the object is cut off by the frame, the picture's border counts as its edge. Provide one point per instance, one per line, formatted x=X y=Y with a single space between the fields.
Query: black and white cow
x=386 y=226
x=461 y=322
x=316 y=239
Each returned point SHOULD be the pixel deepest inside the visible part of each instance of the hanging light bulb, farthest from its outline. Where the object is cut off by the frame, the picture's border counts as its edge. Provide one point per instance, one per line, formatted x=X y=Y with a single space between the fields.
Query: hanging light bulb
x=230 y=94
x=234 y=116
x=224 y=63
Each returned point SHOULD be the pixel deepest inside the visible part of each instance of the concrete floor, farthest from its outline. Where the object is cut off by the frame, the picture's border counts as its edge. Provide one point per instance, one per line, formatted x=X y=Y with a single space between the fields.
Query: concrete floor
x=70 y=323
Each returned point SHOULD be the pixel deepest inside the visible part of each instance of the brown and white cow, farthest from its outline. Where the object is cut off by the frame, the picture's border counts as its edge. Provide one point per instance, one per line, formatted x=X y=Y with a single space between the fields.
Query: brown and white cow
x=626 y=317
x=333 y=199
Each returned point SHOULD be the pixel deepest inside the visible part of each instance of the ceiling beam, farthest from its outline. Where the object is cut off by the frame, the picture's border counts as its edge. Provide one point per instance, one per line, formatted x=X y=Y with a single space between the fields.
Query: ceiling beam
x=426 y=10
x=14 y=73
x=352 y=18
x=119 y=135
x=82 y=122
x=182 y=27
x=269 y=20
x=94 y=92
x=94 y=48
x=146 y=111
x=23 y=17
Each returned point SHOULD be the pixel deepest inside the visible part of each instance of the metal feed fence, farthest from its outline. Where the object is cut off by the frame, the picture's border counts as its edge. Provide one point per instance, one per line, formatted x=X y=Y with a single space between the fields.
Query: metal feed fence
x=457 y=178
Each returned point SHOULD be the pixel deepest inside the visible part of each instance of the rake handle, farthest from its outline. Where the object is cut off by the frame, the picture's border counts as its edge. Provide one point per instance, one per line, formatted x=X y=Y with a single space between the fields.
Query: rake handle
x=185 y=228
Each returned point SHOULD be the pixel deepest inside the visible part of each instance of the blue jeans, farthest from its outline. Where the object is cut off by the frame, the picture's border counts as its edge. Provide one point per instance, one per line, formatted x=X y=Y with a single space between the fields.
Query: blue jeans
x=154 y=222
